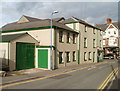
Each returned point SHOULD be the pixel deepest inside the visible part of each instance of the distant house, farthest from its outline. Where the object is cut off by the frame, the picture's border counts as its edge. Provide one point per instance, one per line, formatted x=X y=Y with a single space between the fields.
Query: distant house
x=111 y=36
x=30 y=47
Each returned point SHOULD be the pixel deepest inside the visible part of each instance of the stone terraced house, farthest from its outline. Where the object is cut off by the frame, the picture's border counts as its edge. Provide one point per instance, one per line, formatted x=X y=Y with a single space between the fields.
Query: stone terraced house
x=26 y=43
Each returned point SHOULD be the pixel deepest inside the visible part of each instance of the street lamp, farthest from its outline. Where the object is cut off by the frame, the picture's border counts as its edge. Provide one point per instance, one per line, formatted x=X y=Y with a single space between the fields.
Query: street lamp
x=54 y=12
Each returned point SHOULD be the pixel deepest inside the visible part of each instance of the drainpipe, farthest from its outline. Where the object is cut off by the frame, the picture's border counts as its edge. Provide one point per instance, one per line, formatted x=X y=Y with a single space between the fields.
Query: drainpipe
x=8 y=53
x=97 y=46
x=79 y=48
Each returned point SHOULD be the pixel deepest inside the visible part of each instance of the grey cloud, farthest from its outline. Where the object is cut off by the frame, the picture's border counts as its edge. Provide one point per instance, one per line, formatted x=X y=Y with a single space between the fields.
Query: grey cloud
x=92 y=12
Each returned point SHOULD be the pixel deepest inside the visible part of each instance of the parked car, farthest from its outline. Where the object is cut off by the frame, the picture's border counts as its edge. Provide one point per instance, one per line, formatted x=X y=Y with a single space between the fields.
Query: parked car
x=109 y=56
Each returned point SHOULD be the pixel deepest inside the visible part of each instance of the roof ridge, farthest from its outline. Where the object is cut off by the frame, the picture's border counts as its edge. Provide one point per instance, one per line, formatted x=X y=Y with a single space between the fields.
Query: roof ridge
x=31 y=17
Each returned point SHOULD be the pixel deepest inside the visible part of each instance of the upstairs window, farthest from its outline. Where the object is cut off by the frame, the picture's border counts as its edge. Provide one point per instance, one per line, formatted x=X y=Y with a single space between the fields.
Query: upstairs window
x=68 y=37
x=100 y=43
x=60 y=36
x=85 y=28
x=74 y=39
x=114 y=32
x=85 y=42
x=93 y=31
x=94 y=44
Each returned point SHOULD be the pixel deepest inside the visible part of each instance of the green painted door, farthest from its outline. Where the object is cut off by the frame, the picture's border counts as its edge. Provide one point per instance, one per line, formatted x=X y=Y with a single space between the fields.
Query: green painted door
x=42 y=58
x=25 y=55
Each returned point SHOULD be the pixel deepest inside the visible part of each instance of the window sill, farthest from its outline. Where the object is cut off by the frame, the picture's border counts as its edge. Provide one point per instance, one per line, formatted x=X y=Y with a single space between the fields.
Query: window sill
x=68 y=43
x=61 y=42
x=74 y=60
x=61 y=63
x=68 y=62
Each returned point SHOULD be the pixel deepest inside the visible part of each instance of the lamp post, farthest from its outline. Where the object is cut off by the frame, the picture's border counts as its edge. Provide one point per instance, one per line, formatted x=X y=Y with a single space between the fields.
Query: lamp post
x=54 y=12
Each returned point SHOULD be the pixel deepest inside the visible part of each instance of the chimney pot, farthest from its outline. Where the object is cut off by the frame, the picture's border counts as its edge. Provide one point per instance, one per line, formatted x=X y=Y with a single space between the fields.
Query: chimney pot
x=108 y=20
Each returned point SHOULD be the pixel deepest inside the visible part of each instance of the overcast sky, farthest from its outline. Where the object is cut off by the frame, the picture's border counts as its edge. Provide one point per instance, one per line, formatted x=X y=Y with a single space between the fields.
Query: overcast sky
x=92 y=12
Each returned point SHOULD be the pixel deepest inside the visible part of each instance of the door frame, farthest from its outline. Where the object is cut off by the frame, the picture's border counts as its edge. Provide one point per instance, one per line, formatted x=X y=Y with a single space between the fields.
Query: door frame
x=36 y=58
x=16 y=53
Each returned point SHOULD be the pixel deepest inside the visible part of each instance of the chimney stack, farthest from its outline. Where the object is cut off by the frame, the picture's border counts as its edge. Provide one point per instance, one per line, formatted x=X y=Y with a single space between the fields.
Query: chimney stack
x=108 y=20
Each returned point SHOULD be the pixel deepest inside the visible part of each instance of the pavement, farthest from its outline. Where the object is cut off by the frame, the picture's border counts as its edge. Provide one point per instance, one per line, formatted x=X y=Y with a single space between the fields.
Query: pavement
x=23 y=75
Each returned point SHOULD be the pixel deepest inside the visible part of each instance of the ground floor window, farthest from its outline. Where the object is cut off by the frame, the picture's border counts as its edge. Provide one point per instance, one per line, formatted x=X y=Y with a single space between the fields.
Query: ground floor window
x=60 y=57
x=85 y=56
x=93 y=56
x=74 y=56
x=68 y=56
x=90 y=56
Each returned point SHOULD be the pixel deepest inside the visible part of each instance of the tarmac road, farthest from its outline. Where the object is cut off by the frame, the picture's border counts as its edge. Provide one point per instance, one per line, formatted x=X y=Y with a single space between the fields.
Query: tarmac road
x=86 y=78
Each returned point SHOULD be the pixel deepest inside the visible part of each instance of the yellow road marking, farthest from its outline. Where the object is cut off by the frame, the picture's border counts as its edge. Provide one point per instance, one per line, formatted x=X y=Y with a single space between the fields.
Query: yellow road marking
x=49 y=76
x=107 y=80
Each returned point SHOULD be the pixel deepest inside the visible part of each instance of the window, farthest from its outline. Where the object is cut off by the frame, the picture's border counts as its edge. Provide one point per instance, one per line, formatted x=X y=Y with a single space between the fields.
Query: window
x=101 y=33
x=74 y=39
x=85 y=42
x=61 y=58
x=114 y=32
x=85 y=28
x=100 y=43
x=93 y=31
x=90 y=56
x=93 y=56
x=85 y=56
x=103 y=41
x=94 y=45
x=74 y=56
x=60 y=36
x=108 y=32
x=68 y=56
x=68 y=37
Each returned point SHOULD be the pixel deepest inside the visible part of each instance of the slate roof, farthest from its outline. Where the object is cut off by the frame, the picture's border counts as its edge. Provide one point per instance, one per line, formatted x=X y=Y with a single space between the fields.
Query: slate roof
x=11 y=36
x=104 y=26
x=34 y=24
x=70 y=20
x=58 y=19
x=32 y=18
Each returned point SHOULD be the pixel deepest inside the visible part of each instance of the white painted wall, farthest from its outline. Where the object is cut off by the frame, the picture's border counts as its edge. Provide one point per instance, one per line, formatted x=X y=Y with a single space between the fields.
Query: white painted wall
x=42 y=35
x=4 y=50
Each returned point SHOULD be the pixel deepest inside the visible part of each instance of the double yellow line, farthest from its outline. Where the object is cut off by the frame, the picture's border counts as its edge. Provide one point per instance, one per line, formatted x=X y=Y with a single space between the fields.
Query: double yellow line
x=108 y=79
x=23 y=82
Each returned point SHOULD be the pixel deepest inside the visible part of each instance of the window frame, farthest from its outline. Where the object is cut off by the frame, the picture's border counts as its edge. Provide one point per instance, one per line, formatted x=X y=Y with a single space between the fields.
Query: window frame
x=85 y=54
x=94 y=43
x=61 y=58
x=85 y=42
x=93 y=30
x=74 y=38
x=61 y=38
x=74 y=56
x=68 y=57
x=89 y=56
x=85 y=28
x=68 y=37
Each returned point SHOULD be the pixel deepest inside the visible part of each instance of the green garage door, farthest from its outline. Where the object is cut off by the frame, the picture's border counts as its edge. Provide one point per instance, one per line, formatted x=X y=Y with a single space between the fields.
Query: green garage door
x=25 y=55
x=43 y=58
